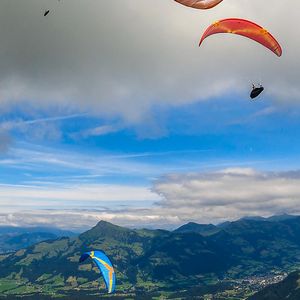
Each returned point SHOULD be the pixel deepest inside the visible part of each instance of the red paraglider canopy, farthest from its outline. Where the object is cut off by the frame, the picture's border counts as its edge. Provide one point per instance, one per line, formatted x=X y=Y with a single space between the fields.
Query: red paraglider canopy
x=200 y=4
x=247 y=29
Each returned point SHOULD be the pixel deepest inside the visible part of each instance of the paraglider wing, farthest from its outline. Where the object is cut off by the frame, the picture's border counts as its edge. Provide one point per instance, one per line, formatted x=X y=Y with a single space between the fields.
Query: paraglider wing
x=105 y=266
x=200 y=4
x=247 y=29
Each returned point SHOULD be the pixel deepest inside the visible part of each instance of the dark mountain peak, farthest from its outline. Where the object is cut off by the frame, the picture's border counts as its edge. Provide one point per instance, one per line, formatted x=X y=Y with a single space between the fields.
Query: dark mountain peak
x=107 y=225
x=275 y=218
x=257 y=223
x=187 y=225
x=107 y=230
x=253 y=218
x=190 y=225
x=224 y=224
x=246 y=224
x=283 y=217
x=204 y=229
x=193 y=223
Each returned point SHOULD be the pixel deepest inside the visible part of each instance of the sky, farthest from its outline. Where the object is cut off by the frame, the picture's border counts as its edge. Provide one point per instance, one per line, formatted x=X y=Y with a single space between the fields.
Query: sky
x=110 y=111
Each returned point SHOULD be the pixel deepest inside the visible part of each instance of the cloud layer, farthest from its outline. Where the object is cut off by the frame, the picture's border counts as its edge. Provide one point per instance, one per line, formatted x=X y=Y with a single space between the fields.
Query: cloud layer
x=204 y=197
x=112 y=59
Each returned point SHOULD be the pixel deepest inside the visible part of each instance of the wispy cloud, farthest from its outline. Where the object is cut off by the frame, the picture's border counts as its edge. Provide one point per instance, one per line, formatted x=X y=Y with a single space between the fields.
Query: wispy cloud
x=20 y=123
x=267 y=111
x=97 y=131
x=72 y=195
x=40 y=129
x=36 y=158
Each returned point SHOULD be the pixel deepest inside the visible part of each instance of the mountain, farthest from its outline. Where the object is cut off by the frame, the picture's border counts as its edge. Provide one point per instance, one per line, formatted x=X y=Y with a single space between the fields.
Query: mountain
x=182 y=256
x=15 y=238
x=254 y=218
x=279 y=218
x=50 y=266
x=275 y=218
x=153 y=262
x=19 y=230
x=10 y=243
x=256 y=245
x=204 y=229
x=261 y=245
x=288 y=289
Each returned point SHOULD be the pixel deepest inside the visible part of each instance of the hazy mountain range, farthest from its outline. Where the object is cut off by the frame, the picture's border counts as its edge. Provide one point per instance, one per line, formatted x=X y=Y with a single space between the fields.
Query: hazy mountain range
x=15 y=238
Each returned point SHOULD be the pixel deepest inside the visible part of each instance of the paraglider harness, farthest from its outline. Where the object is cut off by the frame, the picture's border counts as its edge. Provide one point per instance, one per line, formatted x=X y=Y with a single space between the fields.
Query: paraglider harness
x=256 y=91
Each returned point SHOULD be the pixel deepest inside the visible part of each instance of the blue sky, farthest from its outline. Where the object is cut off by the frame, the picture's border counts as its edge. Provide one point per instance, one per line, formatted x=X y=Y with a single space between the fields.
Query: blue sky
x=106 y=114
x=116 y=166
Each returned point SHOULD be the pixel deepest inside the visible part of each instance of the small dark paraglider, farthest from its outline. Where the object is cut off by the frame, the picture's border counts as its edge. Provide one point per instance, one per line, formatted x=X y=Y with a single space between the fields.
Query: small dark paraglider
x=256 y=91
x=46 y=12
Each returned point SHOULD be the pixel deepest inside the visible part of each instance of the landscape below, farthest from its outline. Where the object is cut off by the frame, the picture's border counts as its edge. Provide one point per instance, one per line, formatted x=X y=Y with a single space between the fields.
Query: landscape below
x=234 y=260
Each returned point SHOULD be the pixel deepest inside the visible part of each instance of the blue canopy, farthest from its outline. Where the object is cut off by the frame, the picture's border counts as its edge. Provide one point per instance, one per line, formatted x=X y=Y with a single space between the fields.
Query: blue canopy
x=104 y=265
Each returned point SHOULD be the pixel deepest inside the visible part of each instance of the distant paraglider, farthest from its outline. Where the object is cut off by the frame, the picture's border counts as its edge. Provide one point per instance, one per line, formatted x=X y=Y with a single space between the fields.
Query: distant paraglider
x=46 y=12
x=244 y=28
x=105 y=266
x=200 y=4
x=256 y=91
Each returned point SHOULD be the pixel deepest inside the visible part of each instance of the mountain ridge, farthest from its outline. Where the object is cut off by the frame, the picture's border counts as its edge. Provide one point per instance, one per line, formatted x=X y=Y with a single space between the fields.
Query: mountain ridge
x=146 y=260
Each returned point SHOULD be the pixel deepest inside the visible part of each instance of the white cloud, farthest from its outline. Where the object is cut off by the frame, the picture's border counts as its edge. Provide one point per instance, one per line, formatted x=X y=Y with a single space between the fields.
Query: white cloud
x=230 y=194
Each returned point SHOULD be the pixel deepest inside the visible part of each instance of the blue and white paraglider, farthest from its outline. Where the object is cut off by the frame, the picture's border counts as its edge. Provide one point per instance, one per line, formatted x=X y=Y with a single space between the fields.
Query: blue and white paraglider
x=105 y=266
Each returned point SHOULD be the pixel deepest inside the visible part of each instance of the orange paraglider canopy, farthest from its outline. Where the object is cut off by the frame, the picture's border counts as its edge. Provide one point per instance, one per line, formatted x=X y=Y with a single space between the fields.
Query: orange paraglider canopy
x=247 y=29
x=200 y=4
